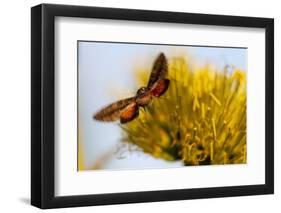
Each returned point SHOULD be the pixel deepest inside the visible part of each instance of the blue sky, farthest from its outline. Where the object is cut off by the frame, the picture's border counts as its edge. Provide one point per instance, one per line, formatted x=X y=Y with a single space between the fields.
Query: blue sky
x=106 y=73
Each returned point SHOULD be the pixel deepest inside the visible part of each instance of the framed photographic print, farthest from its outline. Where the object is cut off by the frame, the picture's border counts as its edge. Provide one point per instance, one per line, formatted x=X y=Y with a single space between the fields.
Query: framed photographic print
x=139 y=106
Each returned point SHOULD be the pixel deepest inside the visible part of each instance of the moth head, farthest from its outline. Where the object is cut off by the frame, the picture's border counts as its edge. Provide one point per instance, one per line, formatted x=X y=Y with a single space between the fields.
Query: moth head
x=142 y=91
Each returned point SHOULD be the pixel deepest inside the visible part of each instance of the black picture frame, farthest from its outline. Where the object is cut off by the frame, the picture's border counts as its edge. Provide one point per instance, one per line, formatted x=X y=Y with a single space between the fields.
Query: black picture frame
x=43 y=102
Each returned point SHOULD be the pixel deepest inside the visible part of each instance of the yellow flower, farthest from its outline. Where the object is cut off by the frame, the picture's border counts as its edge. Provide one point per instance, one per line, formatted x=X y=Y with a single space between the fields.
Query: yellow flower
x=200 y=120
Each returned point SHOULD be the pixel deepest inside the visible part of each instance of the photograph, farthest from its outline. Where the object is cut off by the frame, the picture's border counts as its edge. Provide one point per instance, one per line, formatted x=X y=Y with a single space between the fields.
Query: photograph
x=154 y=106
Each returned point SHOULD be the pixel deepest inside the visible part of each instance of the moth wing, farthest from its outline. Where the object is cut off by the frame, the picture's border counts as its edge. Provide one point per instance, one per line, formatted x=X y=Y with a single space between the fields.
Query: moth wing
x=113 y=111
x=159 y=70
x=160 y=87
x=129 y=113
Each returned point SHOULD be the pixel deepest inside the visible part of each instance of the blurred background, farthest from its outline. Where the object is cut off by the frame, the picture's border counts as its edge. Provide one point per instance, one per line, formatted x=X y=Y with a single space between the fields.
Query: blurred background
x=106 y=73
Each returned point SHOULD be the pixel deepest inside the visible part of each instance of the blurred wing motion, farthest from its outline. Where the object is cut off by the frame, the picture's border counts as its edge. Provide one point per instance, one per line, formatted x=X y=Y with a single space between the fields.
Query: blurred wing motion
x=159 y=70
x=160 y=87
x=114 y=111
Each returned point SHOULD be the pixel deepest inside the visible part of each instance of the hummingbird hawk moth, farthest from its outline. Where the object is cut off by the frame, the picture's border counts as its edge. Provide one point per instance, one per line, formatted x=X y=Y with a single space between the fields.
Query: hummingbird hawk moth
x=128 y=109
